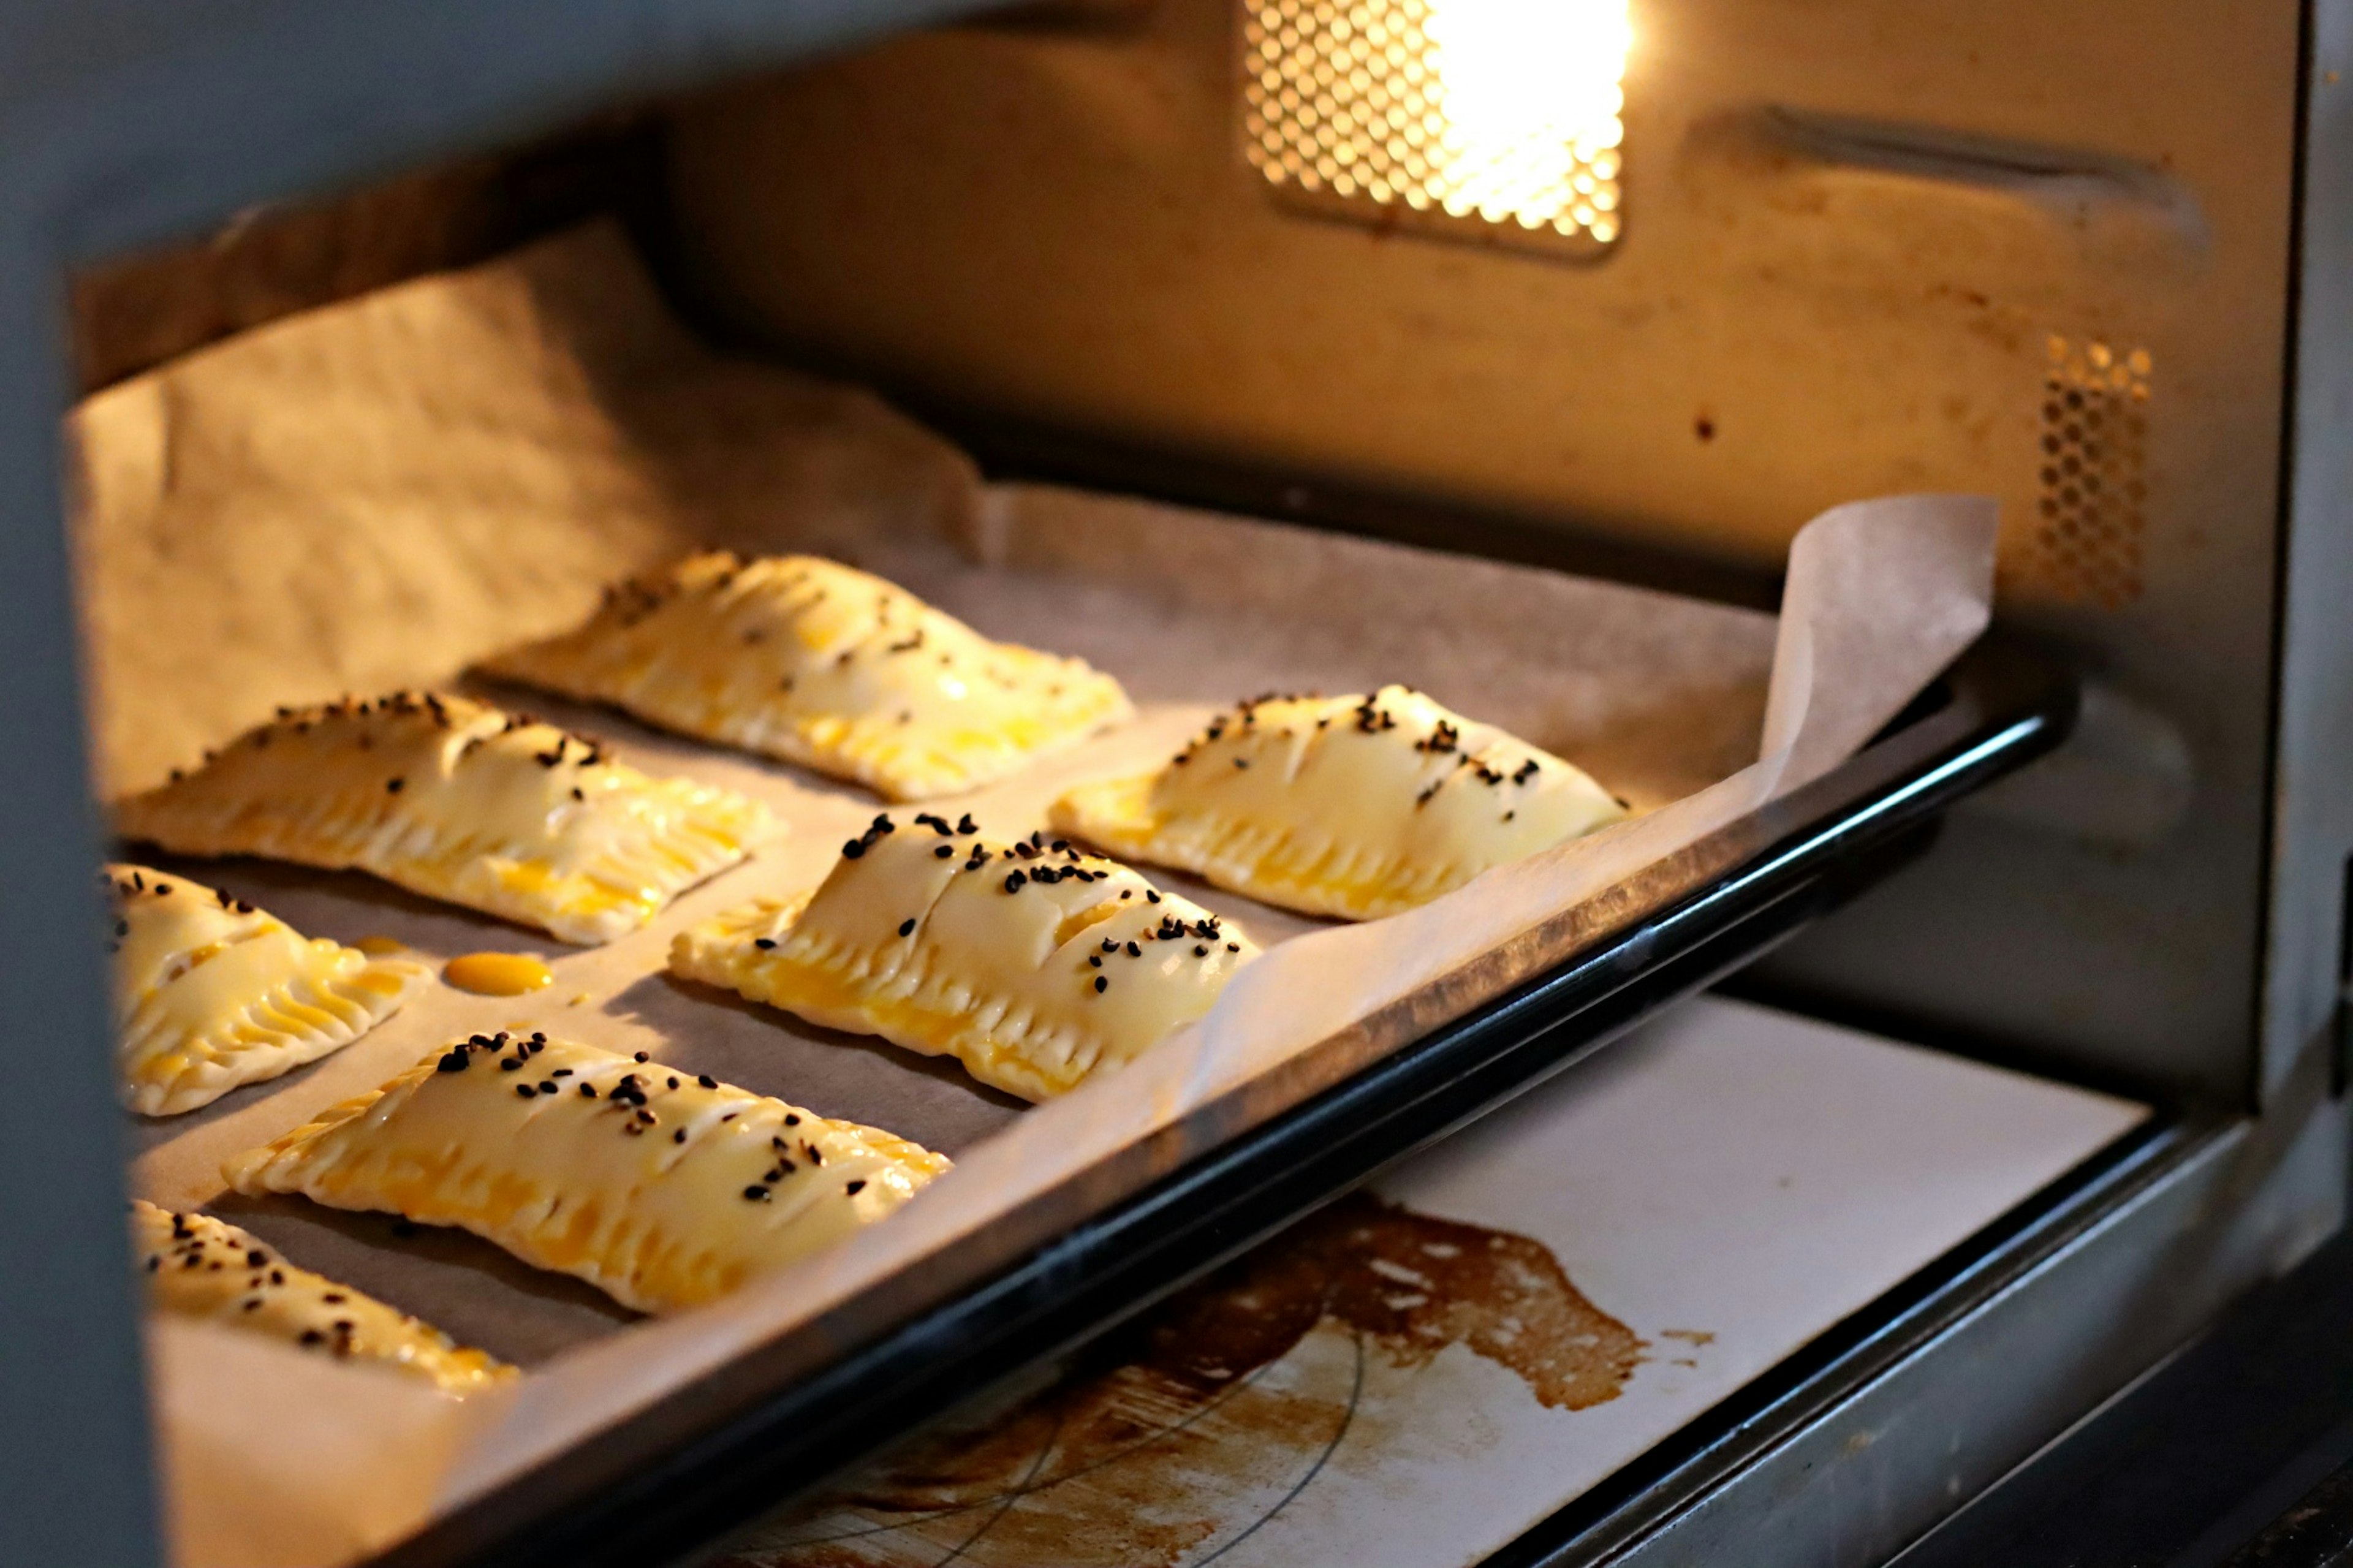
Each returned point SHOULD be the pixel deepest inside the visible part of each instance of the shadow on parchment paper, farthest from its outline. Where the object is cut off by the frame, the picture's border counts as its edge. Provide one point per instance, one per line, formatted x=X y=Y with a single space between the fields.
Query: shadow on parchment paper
x=1172 y=1440
x=857 y=1077
x=475 y=1292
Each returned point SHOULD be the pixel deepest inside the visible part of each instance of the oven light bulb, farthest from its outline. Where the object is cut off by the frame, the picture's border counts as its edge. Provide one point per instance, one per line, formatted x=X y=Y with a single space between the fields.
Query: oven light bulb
x=1530 y=92
x=1498 y=115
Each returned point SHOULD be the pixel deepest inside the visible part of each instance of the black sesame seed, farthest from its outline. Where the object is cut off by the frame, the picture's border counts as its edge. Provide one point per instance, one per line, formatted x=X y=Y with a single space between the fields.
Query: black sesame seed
x=1095 y=961
x=587 y=1091
x=1152 y=897
x=756 y=1194
x=679 y=1136
x=524 y=1091
x=791 y=1119
x=907 y=927
x=392 y=786
x=547 y=1086
x=763 y=943
x=641 y=1056
x=707 y=1081
x=853 y=848
x=454 y=1062
x=1200 y=952
x=944 y=852
x=1102 y=983
x=1234 y=947
x=854 y=1188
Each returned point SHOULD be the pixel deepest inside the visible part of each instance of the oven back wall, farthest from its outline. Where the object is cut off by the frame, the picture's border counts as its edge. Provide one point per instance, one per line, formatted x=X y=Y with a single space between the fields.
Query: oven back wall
x=1865 y=247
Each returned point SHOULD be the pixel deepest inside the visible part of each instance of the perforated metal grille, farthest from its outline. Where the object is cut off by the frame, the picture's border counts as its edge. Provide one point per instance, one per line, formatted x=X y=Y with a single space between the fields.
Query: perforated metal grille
x=2089 y=522
x=1497 y=119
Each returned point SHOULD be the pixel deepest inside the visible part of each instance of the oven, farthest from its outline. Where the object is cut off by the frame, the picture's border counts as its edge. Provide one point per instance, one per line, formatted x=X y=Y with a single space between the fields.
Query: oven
x=2032 y=992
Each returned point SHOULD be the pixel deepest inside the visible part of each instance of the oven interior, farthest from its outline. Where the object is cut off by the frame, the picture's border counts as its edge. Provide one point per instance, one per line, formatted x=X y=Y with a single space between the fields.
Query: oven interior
x=1634 y=300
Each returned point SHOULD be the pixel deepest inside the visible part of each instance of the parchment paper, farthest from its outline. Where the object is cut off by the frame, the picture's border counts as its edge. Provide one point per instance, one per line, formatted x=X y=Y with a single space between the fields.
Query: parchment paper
x=375 y=494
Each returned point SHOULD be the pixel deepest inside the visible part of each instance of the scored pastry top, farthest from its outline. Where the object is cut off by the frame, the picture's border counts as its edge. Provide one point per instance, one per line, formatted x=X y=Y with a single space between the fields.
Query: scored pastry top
x=461 y=801
x=660 y=1187
x=1358 y=806
x=211 y=993
x=197 y=1267
x=811 y=661
x=1034 y=964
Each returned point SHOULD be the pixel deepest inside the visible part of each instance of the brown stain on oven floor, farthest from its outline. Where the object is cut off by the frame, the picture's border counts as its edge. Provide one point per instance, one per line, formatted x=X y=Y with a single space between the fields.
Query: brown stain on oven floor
x=1176 y=1434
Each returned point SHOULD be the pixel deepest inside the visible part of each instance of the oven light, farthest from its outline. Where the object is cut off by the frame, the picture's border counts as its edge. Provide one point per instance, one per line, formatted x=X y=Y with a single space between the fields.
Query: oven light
x=1498 y=118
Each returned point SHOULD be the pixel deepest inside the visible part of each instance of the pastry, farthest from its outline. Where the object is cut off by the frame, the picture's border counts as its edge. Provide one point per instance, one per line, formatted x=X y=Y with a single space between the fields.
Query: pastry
x=1032 y=963
x=197 y=1267
x=799 y=657
x=660 y=1188
x=459 y=801
x=211 y=993
x=1356 y=807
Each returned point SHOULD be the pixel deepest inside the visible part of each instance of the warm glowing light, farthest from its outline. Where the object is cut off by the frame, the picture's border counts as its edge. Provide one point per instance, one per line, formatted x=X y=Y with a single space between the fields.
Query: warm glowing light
x=1493 y=113
x=1529 y=89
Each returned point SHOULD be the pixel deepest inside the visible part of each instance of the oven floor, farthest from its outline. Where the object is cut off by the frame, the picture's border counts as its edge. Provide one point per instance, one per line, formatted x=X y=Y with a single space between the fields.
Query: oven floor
x=1418 y=1374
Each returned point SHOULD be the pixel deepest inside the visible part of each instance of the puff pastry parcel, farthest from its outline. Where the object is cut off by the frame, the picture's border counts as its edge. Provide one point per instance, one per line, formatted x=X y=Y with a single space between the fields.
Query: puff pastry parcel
x=1356 y=806
x=459 y=801
x=1032 y=963
x=799 y=657
x=660 y=1188
x=197 y=1267
x=211 y=993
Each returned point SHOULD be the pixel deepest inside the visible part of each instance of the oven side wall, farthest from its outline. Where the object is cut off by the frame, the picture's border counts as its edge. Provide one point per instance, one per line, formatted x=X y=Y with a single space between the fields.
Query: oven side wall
x=2311 y=948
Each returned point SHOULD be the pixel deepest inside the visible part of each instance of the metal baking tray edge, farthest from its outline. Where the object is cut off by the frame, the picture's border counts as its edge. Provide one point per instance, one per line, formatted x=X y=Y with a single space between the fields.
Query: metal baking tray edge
x=716 y=1452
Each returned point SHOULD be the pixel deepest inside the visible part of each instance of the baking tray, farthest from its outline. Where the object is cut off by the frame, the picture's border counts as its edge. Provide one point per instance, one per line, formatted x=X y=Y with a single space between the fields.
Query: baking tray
x=712 y=1454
